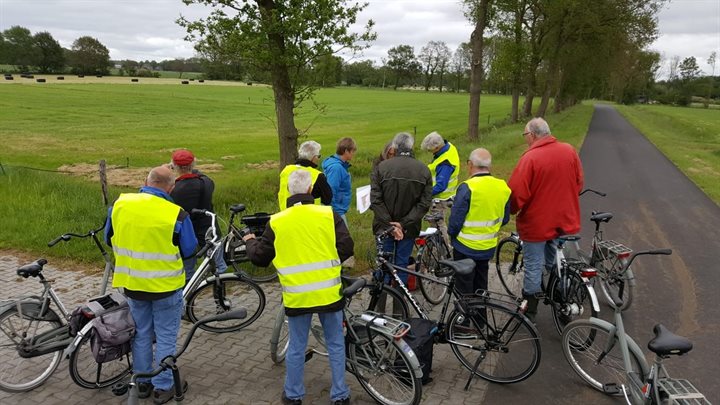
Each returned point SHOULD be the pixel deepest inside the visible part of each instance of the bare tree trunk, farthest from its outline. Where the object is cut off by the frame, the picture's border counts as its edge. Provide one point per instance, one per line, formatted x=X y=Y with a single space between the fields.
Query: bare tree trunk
x=542 y=109
x=476 y=69
x=515 y=103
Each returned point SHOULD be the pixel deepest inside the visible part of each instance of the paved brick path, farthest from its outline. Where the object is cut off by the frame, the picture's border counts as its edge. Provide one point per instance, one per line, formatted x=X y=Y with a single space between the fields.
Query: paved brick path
x=231 y=368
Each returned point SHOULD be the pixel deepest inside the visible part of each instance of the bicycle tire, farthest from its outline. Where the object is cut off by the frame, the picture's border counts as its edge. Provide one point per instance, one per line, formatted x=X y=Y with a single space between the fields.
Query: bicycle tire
x=505 y=340
x=279 y=338
x=236 y=257
x=510 y=266
x=429 y=257
x=598 y=362
x=88 y=373
x=239 y=292
x=578 y=298
x=29 y=373
x=614 y=281
x=384 y=370
x=395 y=307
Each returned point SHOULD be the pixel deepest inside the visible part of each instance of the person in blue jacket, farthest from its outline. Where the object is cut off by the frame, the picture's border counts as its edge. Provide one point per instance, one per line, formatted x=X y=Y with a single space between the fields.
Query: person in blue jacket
x=336 y=171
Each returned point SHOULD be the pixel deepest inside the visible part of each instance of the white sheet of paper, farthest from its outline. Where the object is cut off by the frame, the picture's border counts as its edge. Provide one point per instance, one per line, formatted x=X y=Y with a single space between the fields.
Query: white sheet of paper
x=362 y=195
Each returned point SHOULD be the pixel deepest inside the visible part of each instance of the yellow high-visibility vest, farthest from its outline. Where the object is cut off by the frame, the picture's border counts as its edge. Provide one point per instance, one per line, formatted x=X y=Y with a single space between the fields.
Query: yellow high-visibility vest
x=488 y=197
x=145 y=257
x=306 y=257
x=451 y=156
x=283 y=192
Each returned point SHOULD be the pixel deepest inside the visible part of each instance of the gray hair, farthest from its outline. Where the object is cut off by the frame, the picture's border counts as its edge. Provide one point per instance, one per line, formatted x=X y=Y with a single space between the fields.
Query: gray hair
x=299 y=182
x=538 y=126
x=432 y=141
x=308 y=150
x=481 y=158
x=160 y=177
x=403 y=142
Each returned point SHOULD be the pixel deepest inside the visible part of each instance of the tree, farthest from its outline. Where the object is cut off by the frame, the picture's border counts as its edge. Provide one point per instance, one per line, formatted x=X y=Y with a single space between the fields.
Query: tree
x=19 y=47
x=711 y=61
x=89 y=56
x=478 y=12
x=460 y=63
x=433 y=57
x=51 y=55
x=285 y=38
x=689 y=69
x=401 y=61
x=327 y=71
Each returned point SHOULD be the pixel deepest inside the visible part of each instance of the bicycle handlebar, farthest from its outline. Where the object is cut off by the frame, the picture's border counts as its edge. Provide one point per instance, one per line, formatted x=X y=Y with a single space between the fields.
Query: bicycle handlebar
x=67 y=236
x=600 y=193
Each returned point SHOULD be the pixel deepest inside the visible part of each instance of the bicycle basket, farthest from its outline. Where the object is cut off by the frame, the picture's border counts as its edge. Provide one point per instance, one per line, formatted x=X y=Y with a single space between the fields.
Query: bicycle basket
x=256 y=222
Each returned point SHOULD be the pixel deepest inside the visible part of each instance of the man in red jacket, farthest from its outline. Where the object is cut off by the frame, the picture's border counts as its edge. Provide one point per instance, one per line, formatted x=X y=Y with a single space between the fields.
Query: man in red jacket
x=545 y=186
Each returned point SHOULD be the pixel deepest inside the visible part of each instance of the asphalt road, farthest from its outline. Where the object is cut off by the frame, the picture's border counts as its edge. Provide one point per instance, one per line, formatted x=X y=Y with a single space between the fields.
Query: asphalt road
x=654 y=206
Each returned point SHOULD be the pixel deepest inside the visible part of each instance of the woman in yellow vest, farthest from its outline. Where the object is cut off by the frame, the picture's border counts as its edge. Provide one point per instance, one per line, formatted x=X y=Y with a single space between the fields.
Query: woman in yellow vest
x=307 y=243
x=445 y=169
x=308 y=159
x=482 y=206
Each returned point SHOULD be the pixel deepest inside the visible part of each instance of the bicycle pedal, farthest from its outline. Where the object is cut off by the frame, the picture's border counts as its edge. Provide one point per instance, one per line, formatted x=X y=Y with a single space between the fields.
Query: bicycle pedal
x=612 y=389
x=120 y=388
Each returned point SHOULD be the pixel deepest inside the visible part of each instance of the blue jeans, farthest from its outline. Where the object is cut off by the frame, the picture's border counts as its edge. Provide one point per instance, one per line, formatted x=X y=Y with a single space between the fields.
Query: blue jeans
x=190 y=263
x=299 y=327
x=159 y=319
x=402 y=249
x=537 y=256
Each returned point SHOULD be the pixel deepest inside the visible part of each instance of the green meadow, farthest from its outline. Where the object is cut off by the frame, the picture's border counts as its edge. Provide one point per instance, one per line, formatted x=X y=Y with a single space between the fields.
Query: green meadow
x=231 y=131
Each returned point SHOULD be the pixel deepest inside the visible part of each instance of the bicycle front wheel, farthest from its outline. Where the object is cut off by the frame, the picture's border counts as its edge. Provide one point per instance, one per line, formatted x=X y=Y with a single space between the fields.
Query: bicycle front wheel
x=19 y=374
x=570 y=300
x=384 y=370
x=614 y=282
x=496 y=344
x=88 y=373
x=279 y=338
x=600 y=361
x=510 y=267
x=223 y=294
x=387 y=301
x=428 y=263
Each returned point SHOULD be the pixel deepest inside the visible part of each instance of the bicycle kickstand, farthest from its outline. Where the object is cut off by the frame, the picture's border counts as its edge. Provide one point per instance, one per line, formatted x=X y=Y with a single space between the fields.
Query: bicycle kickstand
x=481 y=357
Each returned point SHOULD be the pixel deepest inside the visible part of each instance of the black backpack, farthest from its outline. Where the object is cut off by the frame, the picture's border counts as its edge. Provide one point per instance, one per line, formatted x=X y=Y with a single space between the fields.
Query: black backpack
x=421 y=339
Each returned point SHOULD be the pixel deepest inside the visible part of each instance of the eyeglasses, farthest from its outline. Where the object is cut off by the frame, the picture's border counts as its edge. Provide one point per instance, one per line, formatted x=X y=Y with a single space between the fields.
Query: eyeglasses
x=527 y=133
x=318 y=156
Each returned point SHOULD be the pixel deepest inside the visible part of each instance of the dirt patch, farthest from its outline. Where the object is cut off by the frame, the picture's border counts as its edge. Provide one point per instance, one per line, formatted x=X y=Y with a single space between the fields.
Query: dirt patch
x=124 y=176
x=266 y=165
x=64 y=264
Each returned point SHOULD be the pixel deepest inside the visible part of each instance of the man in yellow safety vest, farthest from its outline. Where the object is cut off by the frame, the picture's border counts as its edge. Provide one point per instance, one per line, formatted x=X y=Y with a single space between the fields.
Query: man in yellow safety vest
x=445 y=170
x=308 y=159
x=150 y=235
x=307 y=243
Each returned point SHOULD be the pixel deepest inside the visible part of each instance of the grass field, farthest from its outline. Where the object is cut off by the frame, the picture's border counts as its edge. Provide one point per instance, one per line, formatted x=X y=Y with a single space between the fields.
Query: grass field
x=230 y=130
x=690 y=137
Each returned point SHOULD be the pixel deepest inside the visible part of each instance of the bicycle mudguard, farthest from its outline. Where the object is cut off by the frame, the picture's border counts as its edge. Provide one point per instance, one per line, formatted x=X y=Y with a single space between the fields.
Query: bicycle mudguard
x=414 y=362
x=30 y=309
x=632 y=346
x=593 y=296
x=76 y=341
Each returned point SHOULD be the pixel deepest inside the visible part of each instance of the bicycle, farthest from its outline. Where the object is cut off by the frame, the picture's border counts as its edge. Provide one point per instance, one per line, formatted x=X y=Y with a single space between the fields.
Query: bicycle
x=234 y=247
x=487 y=332
x=432 y=247
x=569 y=289
x=376 y=354
x=613 y=363
x=209 y=292
x=169 y=362
x=33 y=336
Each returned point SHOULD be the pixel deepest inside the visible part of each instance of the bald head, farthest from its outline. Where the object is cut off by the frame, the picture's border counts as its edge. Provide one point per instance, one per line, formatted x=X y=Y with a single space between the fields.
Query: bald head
x=480 y=161
x=161 y=177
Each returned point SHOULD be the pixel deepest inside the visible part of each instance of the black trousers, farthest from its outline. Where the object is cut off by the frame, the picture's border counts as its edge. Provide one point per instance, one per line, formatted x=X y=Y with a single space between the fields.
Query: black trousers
x=477 y=280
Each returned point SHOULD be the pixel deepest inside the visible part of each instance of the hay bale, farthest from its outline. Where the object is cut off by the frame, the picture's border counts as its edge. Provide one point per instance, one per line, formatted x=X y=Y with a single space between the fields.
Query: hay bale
x=9 y=78
x=29 y=76
x=40 y=80
x=98 y=75
x=201 y=81
x=61 y=77
x=81 y=76
x=185 y=82
x=249 y=83
x=134 y=80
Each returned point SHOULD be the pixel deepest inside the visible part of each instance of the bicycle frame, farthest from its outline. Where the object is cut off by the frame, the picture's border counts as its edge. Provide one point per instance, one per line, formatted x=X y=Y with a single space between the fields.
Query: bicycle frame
x=560 y=265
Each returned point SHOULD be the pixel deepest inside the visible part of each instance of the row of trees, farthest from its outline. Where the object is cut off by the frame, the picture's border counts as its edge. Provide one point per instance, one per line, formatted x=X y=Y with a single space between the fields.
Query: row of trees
x=19 y=47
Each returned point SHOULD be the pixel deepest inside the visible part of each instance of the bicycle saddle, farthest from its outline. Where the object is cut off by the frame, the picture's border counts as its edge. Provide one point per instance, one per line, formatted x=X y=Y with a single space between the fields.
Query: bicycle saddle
x=32 y=269
x=666 y=343
x=601 y=217
x=569 y=238
x=462 y=267
x=237 y=208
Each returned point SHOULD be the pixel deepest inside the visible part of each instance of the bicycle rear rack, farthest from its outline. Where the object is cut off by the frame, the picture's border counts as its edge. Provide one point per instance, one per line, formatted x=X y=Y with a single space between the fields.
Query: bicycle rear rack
x=382 y=324
x=617 y=249
x=682 y=392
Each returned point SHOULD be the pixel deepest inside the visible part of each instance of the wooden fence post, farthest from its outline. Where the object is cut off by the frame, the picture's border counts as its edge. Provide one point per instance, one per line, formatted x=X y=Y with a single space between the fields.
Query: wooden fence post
x=103 y=181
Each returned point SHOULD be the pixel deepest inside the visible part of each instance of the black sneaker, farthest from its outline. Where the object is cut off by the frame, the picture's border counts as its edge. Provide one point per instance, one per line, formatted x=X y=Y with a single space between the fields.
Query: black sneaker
x=163 y=396
x=288 y=401
x=145 y=389
x=345 y=401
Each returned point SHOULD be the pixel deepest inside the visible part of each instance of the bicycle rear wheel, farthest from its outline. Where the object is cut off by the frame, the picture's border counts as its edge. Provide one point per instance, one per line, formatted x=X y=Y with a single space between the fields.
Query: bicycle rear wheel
x=236 y=257
x=279 y=337
x=222 y=294
x=384 y=370
x=88 y=373
x=570 y=300
x=614 y=282
x=19 y=374
x=510 y=267
x=600 y=361
x=498 y=345
x=429 y=257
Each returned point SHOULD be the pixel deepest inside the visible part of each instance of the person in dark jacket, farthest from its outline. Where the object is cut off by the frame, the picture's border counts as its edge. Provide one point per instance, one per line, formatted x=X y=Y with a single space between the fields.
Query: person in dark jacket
x=400 y=195
x=307 y=243
x=194 y=190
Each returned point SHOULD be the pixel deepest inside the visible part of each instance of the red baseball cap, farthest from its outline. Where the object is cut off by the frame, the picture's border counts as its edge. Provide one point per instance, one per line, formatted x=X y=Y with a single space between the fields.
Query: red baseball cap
x=183 y=157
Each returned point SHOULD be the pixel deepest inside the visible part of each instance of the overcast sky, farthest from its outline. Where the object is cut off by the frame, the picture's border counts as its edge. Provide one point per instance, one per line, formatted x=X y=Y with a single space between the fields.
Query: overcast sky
x=146 y=29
